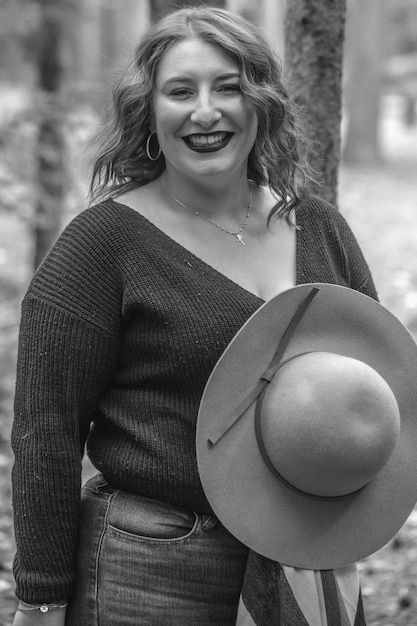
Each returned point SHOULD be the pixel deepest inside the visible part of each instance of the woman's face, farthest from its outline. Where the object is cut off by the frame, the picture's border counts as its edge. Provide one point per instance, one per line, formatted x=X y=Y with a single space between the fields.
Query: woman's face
x=205 y=127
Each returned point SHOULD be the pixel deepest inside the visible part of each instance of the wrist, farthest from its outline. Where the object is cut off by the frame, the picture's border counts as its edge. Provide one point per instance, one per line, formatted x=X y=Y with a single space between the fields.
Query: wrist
x=44 y=607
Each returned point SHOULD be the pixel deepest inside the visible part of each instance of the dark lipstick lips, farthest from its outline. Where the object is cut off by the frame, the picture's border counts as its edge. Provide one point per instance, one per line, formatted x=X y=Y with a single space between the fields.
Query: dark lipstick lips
x=210 y=147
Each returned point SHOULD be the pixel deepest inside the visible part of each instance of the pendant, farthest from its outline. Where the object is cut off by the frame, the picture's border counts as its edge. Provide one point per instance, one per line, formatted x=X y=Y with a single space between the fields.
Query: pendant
x=240 y=239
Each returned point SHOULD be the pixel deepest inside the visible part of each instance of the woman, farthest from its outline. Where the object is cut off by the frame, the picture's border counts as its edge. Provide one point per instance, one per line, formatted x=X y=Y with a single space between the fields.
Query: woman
x=200 y=217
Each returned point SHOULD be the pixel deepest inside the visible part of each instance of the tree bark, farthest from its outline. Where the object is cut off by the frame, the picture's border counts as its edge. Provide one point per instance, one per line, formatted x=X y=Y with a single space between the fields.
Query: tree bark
x=314 y=34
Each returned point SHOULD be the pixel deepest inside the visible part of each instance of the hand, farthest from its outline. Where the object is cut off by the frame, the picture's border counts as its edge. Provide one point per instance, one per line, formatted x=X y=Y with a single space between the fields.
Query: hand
x=37 y=618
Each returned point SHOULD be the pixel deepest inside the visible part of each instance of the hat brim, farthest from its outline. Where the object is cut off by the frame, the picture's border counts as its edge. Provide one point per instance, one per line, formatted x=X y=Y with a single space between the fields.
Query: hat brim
x=253 y=504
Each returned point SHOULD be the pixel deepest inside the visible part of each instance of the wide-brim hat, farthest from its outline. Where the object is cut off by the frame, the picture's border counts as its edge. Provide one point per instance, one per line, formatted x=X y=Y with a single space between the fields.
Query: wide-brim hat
x=307 y=429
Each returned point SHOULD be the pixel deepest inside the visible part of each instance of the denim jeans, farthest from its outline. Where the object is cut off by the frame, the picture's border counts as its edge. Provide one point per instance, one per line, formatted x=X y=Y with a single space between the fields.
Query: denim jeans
x=144 y=562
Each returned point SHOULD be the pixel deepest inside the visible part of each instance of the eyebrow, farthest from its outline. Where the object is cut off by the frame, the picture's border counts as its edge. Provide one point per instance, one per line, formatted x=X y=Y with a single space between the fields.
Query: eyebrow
x=188 y=79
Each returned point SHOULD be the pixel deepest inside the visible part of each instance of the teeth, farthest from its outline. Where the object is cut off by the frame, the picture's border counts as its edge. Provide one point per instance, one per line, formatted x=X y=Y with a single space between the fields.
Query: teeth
x=206 y=140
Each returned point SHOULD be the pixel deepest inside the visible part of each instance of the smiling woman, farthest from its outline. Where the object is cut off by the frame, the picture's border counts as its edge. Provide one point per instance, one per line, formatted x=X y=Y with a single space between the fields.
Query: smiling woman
x=198 y=107
x=198 y=216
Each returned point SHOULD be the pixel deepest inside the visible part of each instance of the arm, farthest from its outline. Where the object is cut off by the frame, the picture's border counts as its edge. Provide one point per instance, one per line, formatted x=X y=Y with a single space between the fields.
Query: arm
x=358 y=274
x=64 y=365
x=37 y=618
x=68 y=349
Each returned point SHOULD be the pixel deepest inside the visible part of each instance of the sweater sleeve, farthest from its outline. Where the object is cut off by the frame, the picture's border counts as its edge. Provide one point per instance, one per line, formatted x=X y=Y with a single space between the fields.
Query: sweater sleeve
x=329 y=250
x=68 y=349
x=358 y=274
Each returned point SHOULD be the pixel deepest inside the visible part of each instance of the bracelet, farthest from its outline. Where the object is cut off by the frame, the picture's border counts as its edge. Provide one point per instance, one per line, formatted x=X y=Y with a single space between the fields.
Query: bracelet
x=43 y=608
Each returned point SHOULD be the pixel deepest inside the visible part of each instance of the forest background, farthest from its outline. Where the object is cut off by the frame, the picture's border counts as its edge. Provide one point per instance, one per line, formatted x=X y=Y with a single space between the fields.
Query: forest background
x=58 y=59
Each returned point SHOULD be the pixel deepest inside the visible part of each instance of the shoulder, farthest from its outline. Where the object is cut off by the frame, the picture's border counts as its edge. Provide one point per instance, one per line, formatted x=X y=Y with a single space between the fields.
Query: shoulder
x=98 y=233
x=106 y=220
x=312 y=208
x=324 y=222
x=87 y=260
x=327 y=239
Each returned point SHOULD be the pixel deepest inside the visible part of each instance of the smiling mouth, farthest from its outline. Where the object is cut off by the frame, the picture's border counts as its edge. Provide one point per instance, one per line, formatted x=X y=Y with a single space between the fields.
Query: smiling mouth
x=209 y=142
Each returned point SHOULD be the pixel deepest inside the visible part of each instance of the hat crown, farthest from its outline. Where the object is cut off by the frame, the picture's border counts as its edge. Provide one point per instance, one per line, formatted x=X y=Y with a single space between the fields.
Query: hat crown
x=329 y=423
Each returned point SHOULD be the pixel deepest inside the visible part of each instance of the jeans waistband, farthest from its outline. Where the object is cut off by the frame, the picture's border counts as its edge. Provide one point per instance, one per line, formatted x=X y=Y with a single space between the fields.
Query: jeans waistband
x=138 y=504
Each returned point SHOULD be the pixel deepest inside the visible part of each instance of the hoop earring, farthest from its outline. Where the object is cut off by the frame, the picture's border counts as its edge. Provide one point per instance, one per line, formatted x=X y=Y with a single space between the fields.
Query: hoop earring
x=147 y=149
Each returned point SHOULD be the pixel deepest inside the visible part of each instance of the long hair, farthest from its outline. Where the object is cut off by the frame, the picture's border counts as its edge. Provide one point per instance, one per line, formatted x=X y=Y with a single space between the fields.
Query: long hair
x=277 y=157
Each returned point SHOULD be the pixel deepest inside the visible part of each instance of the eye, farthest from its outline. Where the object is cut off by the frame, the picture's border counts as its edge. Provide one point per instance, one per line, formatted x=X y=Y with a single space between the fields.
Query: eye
x=181 y=93
x=231 y=88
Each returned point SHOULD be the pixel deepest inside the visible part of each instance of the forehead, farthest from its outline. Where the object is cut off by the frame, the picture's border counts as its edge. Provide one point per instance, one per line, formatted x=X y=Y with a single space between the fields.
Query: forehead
x=194 y=56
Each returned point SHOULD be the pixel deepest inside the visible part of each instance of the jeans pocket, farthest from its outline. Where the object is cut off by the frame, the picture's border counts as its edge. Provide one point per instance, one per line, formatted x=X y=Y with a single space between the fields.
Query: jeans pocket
x=134 y=517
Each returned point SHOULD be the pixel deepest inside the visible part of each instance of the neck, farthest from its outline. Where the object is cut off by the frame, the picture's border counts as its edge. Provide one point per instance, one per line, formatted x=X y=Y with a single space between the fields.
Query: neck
x=215 y=201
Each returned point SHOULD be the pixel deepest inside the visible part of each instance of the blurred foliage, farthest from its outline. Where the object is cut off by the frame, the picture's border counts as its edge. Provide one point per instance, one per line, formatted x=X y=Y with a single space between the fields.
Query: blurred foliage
x=20 y=21
x=402 y=33
x=19 y=18
x=159 y=7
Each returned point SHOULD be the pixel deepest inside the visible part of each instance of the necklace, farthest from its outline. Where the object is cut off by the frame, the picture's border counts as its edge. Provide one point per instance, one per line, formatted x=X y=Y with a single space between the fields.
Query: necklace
x=238 y=233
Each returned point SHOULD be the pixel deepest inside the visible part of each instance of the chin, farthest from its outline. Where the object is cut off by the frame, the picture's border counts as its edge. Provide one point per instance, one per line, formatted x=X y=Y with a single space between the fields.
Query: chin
x=217 y=169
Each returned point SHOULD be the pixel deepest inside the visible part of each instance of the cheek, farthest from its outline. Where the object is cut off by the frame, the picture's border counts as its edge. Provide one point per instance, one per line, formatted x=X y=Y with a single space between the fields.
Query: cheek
x=252 y=125
x=168 y=121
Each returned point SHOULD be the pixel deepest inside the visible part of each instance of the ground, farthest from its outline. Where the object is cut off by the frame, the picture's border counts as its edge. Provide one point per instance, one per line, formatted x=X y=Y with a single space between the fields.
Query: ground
x=380 y=203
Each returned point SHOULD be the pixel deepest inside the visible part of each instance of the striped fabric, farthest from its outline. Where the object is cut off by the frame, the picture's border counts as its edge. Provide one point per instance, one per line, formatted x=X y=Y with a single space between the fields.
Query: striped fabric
x=278 y=595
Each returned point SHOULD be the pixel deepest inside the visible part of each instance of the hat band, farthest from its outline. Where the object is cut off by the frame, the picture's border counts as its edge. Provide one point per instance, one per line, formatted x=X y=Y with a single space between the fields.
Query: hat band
x=218 y=432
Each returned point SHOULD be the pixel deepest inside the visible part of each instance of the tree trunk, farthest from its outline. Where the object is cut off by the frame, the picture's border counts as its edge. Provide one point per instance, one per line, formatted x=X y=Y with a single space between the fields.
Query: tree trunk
x=160 y=7
x=364 y=54
x=50 y=146
x=314 y=33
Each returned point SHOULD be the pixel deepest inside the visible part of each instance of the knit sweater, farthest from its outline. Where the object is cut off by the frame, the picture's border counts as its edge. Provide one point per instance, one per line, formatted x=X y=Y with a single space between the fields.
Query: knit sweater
x=121 y=327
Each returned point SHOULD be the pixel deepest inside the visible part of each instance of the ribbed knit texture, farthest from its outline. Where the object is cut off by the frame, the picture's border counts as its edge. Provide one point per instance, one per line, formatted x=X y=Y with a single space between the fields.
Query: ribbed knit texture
x=121 y=328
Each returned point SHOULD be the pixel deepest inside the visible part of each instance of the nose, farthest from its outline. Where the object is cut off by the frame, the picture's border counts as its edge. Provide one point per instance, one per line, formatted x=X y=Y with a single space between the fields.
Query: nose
x=205 y=111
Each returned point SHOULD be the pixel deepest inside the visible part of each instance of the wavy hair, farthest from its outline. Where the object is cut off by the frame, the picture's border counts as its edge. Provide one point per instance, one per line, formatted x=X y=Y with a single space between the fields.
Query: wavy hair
x=277 y=158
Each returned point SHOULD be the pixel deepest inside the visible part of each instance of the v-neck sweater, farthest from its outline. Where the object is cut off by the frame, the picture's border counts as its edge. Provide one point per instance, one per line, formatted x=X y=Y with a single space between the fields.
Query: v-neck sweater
x=121 y=327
